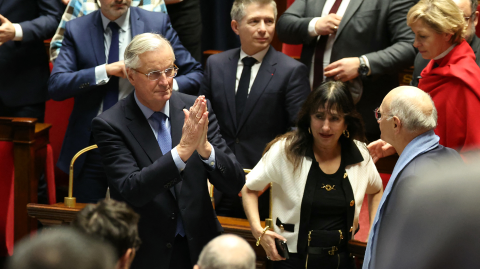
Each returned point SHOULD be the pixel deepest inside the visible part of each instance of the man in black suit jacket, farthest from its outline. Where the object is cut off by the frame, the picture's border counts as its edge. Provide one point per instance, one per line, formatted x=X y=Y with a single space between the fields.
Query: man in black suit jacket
x=368 y=43
x=277 y=87
x=469 y=8
x=159 y=167
x=24 y=70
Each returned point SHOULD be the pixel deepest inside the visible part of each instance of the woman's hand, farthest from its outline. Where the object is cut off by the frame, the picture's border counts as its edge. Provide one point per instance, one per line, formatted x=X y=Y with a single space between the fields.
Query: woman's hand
x=268 y=244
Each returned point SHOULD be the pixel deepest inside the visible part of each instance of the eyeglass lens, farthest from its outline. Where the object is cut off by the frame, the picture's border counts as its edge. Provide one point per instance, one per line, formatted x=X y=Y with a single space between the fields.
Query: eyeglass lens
x=169 y=73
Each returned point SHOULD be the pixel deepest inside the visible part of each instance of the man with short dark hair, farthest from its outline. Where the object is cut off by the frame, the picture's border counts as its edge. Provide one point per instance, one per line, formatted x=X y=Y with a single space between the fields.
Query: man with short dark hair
x=112 y=222
x=470 y=12
x=62 y=248
x=407 y=118
x=255 y=91
x=226 y=251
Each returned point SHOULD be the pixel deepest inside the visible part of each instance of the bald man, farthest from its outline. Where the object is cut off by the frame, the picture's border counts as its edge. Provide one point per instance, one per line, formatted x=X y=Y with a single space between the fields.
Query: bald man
x=407 y=118
x=227 y=251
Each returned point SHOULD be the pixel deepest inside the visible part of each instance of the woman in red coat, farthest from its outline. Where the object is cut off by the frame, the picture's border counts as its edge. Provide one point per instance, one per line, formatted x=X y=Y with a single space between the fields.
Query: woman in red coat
x=452 y=78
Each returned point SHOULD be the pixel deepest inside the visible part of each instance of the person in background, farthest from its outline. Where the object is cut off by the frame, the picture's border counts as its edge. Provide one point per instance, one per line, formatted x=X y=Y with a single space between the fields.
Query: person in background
x=112 y=222
x=62 y=248
x=470 y=13
x=79 y=8
x=226 y=251
x=24 y=70
x=407 y=118
x=255 y=91
x=364 y=42
x=321 y=172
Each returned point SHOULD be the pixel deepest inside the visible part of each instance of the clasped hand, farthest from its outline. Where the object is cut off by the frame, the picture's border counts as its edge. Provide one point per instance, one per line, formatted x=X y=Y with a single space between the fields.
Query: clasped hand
x=7 y=30
x=194 y=131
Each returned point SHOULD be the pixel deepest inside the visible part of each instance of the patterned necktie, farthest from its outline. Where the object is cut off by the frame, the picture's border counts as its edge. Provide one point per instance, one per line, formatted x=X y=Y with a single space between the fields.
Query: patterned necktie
x=320 y=50
x=111 y=94
x=242 y=90
x=165 y=142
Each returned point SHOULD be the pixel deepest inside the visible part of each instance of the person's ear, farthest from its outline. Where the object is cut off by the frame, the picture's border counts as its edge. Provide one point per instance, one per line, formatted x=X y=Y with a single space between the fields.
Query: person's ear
x=196 y=266
x=130 y=76
x=447 y=37
x=126 y=260
x=234 y=25
x=476 y=18
x=397 y=124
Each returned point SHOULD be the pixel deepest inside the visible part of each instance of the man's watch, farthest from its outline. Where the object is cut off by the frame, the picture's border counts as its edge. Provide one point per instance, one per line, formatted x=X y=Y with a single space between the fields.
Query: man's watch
x=363 y=69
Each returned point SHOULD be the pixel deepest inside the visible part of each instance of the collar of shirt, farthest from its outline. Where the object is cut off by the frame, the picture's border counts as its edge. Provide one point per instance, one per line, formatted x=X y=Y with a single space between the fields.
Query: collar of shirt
x=123 y=22
x=258 y=56
x=443 y=54
x=147 y=112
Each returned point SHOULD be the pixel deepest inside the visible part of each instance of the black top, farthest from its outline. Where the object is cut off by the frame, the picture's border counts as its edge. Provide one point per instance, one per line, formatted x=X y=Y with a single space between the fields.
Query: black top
x=330 y=219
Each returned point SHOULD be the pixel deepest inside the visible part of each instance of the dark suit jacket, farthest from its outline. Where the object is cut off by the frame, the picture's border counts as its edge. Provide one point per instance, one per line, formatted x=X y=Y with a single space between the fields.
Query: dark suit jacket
x=138 y=174
x=393 y=232
x=24 y=69
x=279 y=90
x=74 y=73
x=374 y=28
x=421 y=63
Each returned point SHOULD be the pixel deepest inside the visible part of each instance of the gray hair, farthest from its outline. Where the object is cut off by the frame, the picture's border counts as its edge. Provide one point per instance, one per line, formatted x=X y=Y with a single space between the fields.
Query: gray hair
x=408 y=109
x=141 y=44
x=238 y=9
x=474 y=5
x=227 y=251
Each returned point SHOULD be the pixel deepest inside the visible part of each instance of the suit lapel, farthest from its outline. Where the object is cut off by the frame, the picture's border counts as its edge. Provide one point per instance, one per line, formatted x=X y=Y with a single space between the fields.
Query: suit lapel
x=140 y=129
x=96 y=33
x=136 y=25
x=318 y=7
x=351 y=9
x=230 y=75
x=264 y=75
x=177 y=117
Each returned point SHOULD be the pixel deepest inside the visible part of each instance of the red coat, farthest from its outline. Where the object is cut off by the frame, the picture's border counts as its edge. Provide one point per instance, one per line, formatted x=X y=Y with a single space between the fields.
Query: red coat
x=455 y=89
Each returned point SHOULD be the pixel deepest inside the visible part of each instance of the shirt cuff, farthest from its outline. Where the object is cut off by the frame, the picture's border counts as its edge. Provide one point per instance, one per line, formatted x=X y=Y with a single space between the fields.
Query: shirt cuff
x=101 y=77
x=311 y=27
x=178 y=161
x=211 y=160
x=175 y=85
x=18 y=32
x=367 y=64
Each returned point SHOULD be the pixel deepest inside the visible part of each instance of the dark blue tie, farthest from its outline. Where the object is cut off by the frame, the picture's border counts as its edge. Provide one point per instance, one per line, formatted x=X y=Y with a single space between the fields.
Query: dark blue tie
x=165 y=142
x=111 y=95
x=243 y=84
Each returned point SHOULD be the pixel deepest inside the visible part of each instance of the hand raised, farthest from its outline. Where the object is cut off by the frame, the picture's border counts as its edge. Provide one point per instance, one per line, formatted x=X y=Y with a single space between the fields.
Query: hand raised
x=379 y=149
x=193 y=128
x=328 y=24
x=7 y=30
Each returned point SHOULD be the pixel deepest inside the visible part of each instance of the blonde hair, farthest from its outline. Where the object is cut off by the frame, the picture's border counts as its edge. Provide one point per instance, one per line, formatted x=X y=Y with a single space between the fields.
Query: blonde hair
x=443 y=16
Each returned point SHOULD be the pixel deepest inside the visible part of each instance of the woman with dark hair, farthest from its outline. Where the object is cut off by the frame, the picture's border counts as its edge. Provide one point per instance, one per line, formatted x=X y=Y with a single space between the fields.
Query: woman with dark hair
x=320 y=174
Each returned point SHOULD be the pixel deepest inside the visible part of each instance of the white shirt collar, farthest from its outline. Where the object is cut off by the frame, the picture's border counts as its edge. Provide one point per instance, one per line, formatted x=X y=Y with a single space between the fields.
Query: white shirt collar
x=123 y=21
x=147 y=112
x=443 y=54
x=258 y=56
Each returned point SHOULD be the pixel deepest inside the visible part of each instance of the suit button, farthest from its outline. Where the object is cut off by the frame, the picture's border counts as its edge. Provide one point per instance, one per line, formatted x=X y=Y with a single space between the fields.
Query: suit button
x=169 y=245
x=352 y=203
x=237 y=140
x=173 y=215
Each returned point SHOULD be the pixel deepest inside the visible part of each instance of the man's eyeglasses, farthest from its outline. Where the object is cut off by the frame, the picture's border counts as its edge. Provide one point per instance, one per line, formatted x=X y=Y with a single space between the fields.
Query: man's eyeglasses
x=155 y=75
x=378 y=114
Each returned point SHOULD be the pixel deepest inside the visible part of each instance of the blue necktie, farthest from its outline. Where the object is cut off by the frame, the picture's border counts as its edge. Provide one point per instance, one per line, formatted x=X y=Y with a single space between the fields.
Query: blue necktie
x=165 y=142
x=111 y=95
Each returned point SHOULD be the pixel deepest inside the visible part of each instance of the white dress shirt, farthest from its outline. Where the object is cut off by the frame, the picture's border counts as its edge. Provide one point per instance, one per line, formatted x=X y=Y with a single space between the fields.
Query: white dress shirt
x=259 y=57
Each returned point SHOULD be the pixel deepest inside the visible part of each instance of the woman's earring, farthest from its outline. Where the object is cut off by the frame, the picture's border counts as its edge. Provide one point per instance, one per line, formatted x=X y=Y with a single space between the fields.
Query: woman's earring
x=346 y=133
x=309 y=131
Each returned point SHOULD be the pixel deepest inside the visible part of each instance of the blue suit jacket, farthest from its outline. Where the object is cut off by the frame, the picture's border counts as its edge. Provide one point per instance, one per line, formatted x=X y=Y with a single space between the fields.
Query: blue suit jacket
x=141 y=175
x=74 y=72
x=279 y=90
x=24 y=66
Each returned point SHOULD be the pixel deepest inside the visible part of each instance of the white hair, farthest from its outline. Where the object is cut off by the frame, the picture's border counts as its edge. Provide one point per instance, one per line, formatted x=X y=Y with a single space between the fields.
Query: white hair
x=141 y=44
x=407 y=107
x=238 y=9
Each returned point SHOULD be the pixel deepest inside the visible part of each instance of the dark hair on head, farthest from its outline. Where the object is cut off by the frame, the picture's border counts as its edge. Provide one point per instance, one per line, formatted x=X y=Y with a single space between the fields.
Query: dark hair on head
x=330 y=95
x=110 y=221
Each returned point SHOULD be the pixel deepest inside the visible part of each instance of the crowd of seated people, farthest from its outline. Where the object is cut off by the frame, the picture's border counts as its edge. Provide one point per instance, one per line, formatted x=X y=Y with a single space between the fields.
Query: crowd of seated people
x=313 y=128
